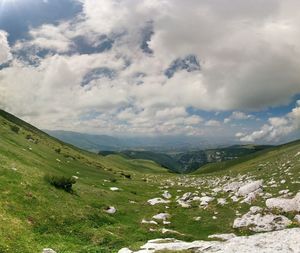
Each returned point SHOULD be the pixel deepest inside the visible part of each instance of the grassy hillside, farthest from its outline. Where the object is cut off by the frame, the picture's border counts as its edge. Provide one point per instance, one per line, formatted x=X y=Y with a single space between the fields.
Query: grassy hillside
x=162 y=159
x=36 y=215
x=39 y=215
x=251 y=158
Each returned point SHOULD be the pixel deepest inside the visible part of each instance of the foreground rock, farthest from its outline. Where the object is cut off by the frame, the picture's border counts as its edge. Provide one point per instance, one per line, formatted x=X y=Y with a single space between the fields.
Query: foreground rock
x=284 y=241
x=285 y=205
x=261 y=223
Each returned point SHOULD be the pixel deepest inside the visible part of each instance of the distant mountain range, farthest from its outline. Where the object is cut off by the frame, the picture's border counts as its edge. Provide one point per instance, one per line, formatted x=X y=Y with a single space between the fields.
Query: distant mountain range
x=96 y=143
x=178 y=154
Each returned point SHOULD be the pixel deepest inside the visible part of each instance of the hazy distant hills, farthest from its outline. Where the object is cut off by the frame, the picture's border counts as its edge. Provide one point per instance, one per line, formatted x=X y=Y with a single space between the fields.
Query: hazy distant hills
x=88 y=141
x=97 y=143
x=178 y=154
x=189 y=161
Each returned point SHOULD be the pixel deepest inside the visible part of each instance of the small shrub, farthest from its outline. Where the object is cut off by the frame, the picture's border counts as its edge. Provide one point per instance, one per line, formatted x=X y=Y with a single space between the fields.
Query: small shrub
x=113 y=180
x=15 y=129
x=61 y=182
x=128 y=176
x=58 y=150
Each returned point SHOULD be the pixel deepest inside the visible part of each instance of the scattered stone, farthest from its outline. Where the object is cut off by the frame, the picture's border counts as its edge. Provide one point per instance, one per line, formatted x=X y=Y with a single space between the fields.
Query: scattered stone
x=161 y=216
x=149 y=222
x=167 y=195
x=205 y=200
x=111 y=210
x=221 y=201
x=156 y=201
x=165 y=230
x=234 y=198
x=114 y=189
x=284 y=191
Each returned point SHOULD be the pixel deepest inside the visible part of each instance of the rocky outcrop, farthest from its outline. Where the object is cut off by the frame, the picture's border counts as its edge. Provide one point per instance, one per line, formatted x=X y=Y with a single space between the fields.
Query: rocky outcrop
x=285 y=205
x=261 y=223
x=284 y=241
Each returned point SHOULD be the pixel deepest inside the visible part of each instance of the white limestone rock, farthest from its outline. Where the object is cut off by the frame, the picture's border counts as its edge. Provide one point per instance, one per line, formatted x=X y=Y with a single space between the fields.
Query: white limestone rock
x=167 y=195
x=205 y=200
x=284 y=241
x=297 y=218
x=156 y=201
x=250 y=187
x=261 y=223
x=221 y=201
x=285 y=205
x=111 y=210
x=255 y=209
x=114 y=189
x=152 y=222
x=161 y=216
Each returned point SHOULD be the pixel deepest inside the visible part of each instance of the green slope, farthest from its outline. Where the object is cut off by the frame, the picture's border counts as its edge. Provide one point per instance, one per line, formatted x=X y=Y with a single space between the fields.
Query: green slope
x=39 y=215
x=248 y=160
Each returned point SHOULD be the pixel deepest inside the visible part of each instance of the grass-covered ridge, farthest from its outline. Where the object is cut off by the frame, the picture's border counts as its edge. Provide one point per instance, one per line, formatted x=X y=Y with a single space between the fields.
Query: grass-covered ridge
x=35 y=215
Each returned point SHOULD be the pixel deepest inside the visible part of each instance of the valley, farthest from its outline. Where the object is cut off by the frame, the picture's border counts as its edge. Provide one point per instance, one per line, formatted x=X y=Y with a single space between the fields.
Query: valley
x=121 y=203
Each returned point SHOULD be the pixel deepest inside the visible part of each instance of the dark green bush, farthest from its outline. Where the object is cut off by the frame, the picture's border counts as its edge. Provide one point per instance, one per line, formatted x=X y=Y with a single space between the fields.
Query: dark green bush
x=61 y=182
x=15 y=129
x=58 y=150
x=113 y=180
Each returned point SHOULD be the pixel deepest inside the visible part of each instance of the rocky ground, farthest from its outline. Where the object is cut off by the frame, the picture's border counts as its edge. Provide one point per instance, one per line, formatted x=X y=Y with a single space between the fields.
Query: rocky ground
x=284 y=241
x=265 y=200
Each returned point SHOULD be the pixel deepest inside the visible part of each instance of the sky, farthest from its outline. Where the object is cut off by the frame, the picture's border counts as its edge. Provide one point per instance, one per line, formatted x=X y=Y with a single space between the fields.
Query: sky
x=219 y=69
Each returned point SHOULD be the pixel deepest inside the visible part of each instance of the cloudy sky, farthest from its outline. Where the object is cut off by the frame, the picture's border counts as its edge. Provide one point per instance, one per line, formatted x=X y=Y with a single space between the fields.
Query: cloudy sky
x=211 y=68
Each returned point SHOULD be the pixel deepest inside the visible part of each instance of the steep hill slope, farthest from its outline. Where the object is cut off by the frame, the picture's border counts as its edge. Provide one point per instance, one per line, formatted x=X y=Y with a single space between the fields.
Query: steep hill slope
x=39 y=215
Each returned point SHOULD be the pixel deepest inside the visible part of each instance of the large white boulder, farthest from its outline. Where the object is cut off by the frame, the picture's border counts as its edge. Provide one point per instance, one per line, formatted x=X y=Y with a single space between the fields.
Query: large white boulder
x=250 y=187
x=285 y=205
x=261 y=223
